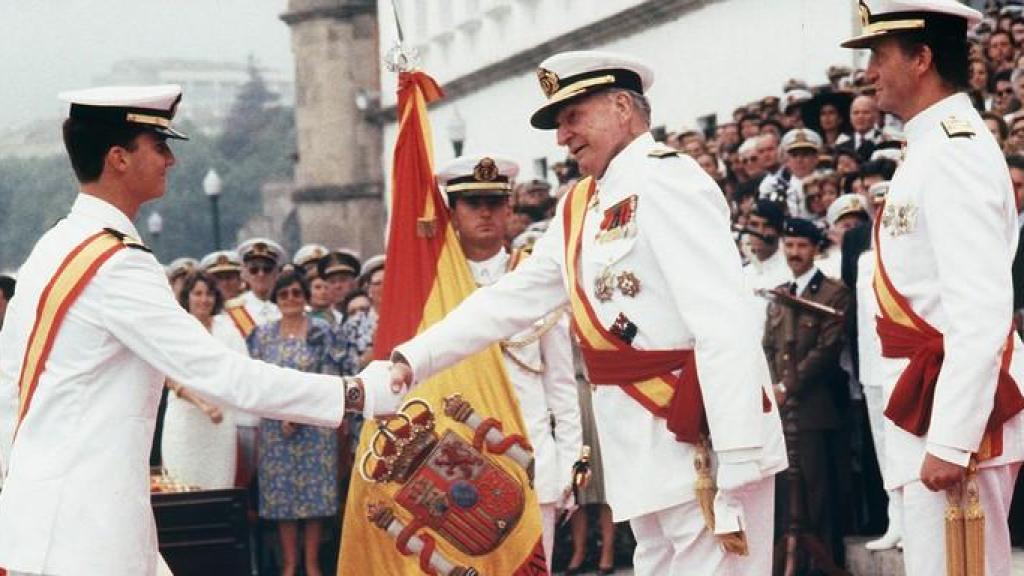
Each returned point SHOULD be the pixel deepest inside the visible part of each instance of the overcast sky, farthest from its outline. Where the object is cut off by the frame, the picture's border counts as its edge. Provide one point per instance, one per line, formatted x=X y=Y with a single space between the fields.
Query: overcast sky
x=47 y=46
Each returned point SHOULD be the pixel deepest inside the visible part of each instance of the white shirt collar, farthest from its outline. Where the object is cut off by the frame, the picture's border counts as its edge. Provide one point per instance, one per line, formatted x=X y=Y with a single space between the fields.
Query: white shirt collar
x=487 y=272
x=102 y=213
x=619 y=165
x=804 y=280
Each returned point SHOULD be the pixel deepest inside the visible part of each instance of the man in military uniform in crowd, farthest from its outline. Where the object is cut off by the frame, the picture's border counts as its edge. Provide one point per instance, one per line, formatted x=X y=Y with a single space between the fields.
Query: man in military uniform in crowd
x=307 y=257
x=538 y=361
x=261 y=263
x=801 y=147
x=621 y=252
x=945 y=238
x=226 y=268
x=810 y=386
x=80 y=377
x=177 y=270
x=767 y=267
x=341 y=270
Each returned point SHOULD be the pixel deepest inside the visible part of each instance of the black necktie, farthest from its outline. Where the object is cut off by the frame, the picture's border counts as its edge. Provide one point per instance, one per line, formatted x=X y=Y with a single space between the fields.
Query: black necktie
x=792 y=288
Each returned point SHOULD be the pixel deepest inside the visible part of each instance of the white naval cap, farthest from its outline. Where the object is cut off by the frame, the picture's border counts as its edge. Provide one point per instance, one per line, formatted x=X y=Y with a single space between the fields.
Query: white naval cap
x=152 y=107
x=260 y=248
x=884 y=18
x=309 y=254
x=800 y=139
x=180 y=267
x=372 y=264
x=569 y=75
x=477 y=175
x=795 y=97
x=221 y=261
x=844 y=205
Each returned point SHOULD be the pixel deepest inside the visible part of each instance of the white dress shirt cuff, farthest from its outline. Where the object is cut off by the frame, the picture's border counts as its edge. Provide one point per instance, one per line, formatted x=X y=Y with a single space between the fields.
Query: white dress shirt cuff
x=949 y=454
x=418 y=358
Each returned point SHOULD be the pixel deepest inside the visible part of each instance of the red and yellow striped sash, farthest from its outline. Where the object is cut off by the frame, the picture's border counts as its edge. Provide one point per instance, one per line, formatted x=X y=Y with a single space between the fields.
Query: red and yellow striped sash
x=904 y=334
x=654 y=394
x=71 y=278
x=242 y=319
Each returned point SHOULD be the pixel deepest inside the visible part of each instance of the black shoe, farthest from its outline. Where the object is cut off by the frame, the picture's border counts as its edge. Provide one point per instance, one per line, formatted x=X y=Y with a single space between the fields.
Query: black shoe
x=608 y=570
x=574 y=570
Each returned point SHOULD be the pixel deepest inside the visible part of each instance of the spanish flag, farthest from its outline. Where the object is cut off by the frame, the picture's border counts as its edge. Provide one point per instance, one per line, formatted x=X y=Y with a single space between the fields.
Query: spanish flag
x=445 y=486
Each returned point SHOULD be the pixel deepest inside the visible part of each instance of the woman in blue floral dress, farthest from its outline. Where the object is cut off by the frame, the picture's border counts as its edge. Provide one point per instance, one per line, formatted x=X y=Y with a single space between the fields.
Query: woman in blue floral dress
x=298 y=464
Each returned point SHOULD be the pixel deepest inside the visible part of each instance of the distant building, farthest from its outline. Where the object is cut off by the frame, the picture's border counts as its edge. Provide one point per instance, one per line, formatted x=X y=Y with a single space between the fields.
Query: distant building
x=209 y=87
x=708 y=56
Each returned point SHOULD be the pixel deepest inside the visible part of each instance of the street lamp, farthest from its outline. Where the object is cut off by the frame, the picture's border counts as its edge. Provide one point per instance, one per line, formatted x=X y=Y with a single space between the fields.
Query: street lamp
x=457 y=132
x=212 y=187
x=155 y=225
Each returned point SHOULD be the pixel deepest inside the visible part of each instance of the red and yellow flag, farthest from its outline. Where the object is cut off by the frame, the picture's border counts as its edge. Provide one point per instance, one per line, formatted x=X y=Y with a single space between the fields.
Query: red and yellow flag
x=444 y=487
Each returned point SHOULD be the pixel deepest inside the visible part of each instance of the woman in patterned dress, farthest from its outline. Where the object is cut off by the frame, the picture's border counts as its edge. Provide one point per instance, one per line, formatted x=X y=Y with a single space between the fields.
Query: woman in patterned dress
x=298 y=464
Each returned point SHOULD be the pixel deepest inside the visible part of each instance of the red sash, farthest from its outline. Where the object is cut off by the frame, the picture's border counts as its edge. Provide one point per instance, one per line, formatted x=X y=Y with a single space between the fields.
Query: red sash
x=67 y=284
x=904 y=334
x=645 y=375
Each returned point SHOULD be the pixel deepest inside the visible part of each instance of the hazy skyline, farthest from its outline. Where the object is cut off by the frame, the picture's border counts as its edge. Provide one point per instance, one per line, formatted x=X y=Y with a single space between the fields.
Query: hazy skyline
x=53 y=45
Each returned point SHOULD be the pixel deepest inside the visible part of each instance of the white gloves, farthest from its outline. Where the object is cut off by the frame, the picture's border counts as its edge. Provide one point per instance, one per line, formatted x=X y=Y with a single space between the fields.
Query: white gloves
x=380 y=400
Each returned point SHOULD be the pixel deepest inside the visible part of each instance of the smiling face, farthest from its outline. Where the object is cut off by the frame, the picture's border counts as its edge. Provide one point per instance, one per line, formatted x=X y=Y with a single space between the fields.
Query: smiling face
x=201 y=299
x=594 y=129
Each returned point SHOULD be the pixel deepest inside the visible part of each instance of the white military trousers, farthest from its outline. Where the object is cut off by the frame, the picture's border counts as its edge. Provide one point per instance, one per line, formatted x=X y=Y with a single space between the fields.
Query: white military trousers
x=924 y=542
x=675 y=541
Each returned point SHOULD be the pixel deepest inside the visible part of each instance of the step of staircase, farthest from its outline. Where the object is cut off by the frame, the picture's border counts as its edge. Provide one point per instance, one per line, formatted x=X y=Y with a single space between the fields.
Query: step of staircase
x=863 y=562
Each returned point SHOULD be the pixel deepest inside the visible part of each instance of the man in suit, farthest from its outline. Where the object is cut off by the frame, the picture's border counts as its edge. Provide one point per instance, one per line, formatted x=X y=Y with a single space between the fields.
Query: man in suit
x=810 y=386
x=865 y=135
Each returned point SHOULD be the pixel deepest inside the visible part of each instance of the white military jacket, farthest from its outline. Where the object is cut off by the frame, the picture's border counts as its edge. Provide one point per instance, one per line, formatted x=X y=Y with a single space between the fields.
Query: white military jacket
x=691 y=296
x=262 y=311
x=76 y=499
x=947 y=240
x=542 y=372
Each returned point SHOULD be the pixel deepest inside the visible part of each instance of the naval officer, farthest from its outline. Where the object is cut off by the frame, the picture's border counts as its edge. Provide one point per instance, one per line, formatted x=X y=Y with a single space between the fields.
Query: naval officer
x=944 y=240
x=89 y=339
x=538 y=360
x=672 y=377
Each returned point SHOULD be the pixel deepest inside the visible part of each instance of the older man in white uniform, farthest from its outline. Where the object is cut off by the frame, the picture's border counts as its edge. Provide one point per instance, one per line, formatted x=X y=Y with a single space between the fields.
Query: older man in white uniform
x=89 y=372
x=945 y=238
x=642 y=251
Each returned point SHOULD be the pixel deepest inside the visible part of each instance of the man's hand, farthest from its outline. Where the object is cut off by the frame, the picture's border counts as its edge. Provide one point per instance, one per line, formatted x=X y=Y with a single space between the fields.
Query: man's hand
x=380 y=383
x=938 y=474
x=216 y=416
x=401 y=376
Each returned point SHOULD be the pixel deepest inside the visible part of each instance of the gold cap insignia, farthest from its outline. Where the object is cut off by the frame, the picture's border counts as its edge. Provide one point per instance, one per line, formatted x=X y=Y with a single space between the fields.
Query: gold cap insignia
x=485 y=170
x=221 y=260
x=548 y=81
x=865 y=15
x=800 y=138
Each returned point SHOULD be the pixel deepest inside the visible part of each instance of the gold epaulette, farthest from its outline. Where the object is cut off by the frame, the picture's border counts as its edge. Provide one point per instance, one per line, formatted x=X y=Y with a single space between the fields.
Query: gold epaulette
x=128 y=241
x=956 y=127
x=663 y=152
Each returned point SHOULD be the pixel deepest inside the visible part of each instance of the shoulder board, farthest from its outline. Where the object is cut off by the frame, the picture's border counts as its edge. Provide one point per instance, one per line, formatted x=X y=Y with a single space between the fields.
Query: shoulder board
x=663 y=152
x=127 y=240
x=955 y=127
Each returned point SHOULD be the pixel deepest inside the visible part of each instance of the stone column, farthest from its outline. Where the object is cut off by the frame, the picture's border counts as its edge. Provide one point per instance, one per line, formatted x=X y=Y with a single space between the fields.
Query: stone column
x=338 y=191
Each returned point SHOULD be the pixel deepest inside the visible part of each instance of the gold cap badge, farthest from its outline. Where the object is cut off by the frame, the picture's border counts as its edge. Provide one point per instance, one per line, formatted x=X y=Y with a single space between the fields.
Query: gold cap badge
x=485 y=170
x=548 y=81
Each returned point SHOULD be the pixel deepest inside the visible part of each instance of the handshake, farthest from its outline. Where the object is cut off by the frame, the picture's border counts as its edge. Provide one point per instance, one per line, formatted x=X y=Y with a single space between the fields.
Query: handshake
x=379 y=389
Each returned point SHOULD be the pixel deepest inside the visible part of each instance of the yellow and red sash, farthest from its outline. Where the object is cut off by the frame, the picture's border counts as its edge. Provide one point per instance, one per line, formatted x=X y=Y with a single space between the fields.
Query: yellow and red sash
x=242 y=319
x=645 y=375
x=71 y=278
x=904 y=334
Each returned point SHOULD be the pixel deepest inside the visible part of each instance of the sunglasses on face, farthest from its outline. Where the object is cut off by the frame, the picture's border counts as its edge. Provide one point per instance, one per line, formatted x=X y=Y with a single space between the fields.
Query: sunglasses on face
x=293 y=293
x=1005 y=92
x=256 y=269
x=481 y=201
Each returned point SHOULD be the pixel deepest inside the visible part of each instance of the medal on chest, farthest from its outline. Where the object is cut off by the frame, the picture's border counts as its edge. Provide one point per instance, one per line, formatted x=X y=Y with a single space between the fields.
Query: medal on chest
x=619 y=221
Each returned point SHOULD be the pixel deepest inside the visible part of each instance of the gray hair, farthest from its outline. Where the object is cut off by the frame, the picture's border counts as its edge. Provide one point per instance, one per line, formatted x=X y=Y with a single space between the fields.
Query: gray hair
x=641 y=105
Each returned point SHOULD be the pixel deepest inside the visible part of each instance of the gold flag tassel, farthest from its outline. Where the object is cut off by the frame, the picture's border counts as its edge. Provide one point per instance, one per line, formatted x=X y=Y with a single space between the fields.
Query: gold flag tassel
x=974 y=525
x=734 y=542
x=955 y=553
